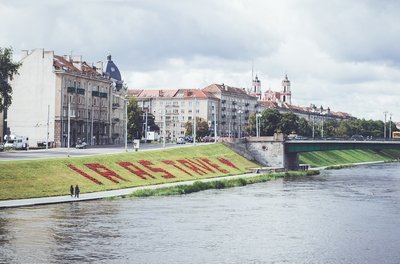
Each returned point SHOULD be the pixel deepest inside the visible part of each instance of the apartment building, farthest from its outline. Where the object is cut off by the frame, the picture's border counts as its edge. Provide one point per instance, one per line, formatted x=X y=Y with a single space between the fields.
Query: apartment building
x=56 y=98
x=226 y=109
x=172 y=109
x=235 y=108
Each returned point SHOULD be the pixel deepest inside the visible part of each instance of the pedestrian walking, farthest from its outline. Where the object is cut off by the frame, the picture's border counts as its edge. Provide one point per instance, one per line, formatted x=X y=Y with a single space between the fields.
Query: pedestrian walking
x=77 y=191
x=71 y=190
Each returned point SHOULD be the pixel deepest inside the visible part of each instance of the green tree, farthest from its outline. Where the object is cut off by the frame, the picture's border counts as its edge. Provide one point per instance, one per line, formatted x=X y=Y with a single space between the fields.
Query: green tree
x=8 y=69
x=201 y=128
x=304 y=128
x=289 y=123
x=269 y=122
x=251 y=125
x=135 y=119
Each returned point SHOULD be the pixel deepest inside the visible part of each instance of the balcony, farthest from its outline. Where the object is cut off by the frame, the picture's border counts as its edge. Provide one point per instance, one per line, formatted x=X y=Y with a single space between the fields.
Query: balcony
x=234 y=110
x=80 y=90
x=234 y=103
x=223 y=108
x=71 y=89
x=115 y=105
x=247 y=104
x=234 y=117
x=246 y=111
x=103 y=95
x=223 y=123
x=223 y=116
x=95 y=93
x=115 y=120
x=223 y=101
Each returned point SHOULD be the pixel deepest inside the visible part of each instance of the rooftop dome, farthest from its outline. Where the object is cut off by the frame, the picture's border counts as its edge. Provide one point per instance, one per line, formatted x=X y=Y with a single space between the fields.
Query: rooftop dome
x=112 y=70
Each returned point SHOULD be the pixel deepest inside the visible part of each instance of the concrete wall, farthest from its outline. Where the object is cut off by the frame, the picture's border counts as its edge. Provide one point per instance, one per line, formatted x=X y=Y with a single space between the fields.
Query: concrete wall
x=268 y=151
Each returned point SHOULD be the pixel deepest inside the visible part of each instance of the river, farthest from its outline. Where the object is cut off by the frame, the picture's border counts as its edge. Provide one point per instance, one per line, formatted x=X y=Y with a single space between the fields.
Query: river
x=341 y=216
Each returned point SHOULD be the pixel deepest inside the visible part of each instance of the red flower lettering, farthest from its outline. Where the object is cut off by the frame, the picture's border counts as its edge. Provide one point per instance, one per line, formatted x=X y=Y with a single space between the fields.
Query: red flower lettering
x=137 y=171
x=170 y=162
x=227 y=162
x=209 y=162
x=104 y=171
x=147 y=164
x=191 y=166
x=84 y=174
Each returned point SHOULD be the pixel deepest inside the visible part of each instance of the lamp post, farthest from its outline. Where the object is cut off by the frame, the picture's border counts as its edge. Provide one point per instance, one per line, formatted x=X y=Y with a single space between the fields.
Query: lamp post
x=194 y=121
x=126 y=123
x=258 y=116
x=390 y=126
x=69 y=125
x=384 y=126
x=240 y=122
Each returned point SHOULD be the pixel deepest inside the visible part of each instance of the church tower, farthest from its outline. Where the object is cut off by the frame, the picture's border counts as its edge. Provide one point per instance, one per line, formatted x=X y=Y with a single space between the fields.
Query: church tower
x=256 y=89
x=286 y=93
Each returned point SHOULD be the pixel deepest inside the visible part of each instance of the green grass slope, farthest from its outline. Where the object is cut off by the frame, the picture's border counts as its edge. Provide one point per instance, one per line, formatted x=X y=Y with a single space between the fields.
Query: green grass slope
x=51 y=177
x=338 y=157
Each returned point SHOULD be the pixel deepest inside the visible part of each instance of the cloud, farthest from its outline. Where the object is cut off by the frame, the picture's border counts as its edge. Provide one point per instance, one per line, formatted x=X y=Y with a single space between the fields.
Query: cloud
x=340 y=54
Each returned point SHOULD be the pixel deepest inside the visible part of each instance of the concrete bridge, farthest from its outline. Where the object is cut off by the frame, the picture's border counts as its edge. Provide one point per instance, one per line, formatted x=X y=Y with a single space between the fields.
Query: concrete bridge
x=275 y=151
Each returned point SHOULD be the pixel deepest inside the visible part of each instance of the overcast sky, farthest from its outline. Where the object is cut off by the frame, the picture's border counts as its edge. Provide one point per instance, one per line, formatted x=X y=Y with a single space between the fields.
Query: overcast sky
x=341 y=54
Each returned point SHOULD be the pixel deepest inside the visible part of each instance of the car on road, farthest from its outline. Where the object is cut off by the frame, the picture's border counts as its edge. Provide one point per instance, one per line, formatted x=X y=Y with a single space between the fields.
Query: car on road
x=81 y=145
x=357 y=138
x=181 y=140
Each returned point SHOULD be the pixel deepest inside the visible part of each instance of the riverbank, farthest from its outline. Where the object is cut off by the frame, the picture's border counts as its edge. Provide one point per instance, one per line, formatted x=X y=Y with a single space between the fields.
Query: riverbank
x=52 y=177
x=183 y=187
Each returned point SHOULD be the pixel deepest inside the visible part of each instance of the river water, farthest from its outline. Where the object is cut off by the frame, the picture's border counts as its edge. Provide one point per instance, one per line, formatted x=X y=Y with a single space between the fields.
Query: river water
x=343 y=216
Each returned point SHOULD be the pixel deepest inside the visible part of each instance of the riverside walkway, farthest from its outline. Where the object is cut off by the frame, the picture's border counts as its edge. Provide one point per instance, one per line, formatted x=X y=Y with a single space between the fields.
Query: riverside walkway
x=104 y=194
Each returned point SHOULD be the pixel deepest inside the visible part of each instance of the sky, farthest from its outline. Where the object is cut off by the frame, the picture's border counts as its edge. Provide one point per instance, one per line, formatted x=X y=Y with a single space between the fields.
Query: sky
x=339 y=54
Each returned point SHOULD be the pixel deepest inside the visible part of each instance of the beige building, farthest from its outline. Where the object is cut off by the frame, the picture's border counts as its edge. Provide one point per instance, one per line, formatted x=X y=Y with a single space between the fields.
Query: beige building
x=235 y=108
x=225 y=108
x=60 y=97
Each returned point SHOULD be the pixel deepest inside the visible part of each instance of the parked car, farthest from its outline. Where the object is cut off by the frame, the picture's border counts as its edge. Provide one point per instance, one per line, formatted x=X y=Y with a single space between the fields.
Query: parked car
x=181 y=140
x=357 y=138
x=81 y=145
x=189 y=139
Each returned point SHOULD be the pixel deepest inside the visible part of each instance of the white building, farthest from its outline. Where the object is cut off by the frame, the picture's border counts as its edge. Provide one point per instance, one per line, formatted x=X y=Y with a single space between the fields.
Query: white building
x=48 y=85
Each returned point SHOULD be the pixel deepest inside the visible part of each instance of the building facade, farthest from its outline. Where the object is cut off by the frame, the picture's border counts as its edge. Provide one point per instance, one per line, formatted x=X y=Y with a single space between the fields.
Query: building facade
x=60 y=98
x=225 y=109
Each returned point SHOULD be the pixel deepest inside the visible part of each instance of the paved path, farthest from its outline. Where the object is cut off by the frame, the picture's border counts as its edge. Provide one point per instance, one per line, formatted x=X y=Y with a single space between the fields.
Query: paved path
x=104 y=194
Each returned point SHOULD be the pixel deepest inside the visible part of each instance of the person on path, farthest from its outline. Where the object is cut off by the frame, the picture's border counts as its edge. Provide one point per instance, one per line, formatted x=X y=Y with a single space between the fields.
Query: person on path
x=71 y=190
x=77 y=191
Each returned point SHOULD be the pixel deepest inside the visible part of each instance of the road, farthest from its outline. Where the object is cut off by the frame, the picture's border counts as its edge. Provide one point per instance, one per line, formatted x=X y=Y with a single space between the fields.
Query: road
x=73 y=152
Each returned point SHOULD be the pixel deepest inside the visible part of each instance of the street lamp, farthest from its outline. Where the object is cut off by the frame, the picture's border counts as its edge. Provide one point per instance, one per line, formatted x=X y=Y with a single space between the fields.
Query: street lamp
x=258 y=116
x=69 y=124
x=240 y=122
x=384 y=126
x=126 y=123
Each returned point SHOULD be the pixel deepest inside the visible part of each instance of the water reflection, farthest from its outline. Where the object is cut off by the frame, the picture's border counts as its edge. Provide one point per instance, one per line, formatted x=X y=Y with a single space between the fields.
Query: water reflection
x=342 y=216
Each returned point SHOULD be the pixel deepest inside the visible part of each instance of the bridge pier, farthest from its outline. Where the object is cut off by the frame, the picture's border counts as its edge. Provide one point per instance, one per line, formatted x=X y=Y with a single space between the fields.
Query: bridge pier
x=291 y=161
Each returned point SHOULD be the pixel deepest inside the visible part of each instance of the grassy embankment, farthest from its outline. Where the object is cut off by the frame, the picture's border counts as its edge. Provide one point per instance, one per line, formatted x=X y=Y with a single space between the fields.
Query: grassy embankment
x=51 y=177
x=341 y=158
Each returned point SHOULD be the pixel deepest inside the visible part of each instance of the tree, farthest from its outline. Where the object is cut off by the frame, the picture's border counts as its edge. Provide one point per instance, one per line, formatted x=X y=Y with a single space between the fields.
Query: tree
x=269 y=122
x=151 y=124
x=201 y=128
x=7 y=70
x=305 y=128
x=135 y=120
x=289 y=123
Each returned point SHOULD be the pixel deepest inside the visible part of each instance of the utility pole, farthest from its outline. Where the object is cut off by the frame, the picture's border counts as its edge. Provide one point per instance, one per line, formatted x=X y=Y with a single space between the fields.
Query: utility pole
x=390 y=126
x=48 y=120
x=69 y=125
x=194 y=121
x=384 y=126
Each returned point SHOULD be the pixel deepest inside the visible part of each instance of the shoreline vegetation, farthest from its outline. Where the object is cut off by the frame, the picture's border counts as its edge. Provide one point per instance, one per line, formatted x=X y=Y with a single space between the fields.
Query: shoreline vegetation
x=215 y=184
